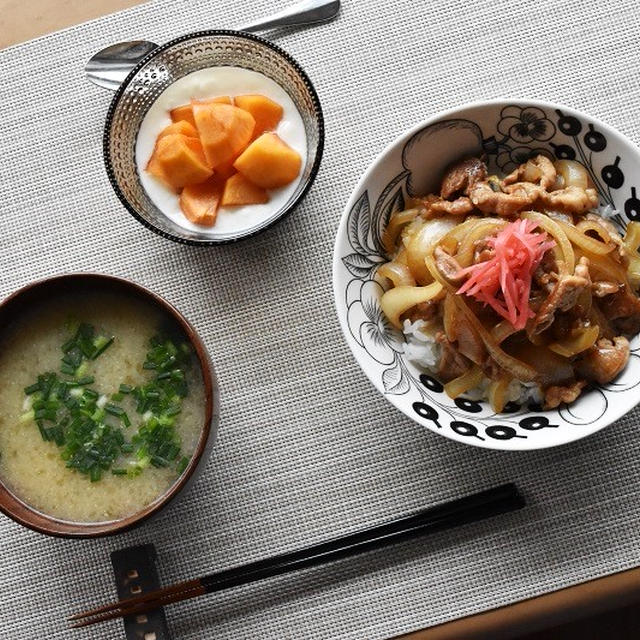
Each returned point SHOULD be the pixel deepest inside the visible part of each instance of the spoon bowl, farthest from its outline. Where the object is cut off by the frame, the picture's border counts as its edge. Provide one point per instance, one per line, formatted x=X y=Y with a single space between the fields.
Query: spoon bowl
x=110 y=66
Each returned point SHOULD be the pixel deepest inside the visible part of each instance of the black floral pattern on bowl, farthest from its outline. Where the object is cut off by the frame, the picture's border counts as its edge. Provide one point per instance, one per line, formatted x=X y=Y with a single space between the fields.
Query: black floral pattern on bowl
x=525 y=124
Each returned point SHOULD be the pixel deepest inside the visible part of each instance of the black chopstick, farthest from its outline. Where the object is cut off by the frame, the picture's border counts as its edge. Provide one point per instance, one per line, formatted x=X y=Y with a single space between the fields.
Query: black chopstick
x=479 y=506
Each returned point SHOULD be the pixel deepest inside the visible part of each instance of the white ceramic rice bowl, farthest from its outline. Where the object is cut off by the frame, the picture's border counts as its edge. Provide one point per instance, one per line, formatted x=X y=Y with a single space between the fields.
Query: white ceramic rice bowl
x=507 y=132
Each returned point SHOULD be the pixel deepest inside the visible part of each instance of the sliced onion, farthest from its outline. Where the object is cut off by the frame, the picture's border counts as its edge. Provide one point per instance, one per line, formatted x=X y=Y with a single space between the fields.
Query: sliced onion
x=401 y=256
x=422 y=243
x=399 y=274
x=603 y=267
x=585 y=226
x=571 y=173
x=398 y=300
x=468 y=380
x=585 y=242
x=502 y=331
x=449 y=317
x=395 y=225
x=497 y=393
x=633 y=272
x=480 y=230
x=550 y=368
x=563 y=249
x=573 y=345
x=632 y=237
x=434 y=272
x=456 y=235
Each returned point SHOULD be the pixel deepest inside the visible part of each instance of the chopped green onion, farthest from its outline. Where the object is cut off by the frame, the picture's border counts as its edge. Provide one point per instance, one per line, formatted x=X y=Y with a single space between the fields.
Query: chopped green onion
x=28 y=416
x=68 y=345
x=114 y=409
x=101 y=344
x=157 y=461
x=81 y=371
x=74 y=416
x=43 y=431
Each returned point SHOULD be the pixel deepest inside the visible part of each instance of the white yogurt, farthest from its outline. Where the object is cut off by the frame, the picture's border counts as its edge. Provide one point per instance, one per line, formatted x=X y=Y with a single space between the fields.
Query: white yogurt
x=209 y=83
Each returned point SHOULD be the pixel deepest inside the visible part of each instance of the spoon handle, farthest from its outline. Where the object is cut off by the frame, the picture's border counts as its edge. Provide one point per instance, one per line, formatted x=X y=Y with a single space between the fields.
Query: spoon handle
x=304 y=12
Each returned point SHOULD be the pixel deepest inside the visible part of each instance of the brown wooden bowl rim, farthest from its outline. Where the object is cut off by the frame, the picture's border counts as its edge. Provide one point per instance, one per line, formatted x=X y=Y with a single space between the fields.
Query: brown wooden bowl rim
x=21 y=512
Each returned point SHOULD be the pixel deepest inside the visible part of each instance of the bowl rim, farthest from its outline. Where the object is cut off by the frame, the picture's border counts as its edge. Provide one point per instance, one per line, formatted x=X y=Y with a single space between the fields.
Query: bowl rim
x=285 y=210
x=615 y=411
x=23 y=513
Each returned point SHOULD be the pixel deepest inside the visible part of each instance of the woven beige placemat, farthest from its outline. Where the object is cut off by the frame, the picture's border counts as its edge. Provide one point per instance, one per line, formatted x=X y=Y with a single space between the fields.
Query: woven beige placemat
x=307 y=448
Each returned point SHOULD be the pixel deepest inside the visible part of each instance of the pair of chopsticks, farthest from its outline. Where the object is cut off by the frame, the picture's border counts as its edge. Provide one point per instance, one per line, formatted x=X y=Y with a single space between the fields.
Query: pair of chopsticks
x=479 y=506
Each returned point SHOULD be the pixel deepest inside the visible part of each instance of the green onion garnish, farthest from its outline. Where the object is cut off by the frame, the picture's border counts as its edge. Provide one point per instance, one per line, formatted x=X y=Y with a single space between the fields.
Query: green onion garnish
x=101 y=344
x=79 y=420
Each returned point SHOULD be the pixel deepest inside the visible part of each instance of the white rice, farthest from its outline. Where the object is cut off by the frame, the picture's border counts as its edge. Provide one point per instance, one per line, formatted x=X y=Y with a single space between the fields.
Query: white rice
x=421 y=347
x=606 y=211
x=422 y=350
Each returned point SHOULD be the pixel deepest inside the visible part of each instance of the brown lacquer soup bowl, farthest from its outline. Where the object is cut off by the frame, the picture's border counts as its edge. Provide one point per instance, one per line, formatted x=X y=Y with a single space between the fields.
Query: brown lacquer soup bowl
x=108 y=407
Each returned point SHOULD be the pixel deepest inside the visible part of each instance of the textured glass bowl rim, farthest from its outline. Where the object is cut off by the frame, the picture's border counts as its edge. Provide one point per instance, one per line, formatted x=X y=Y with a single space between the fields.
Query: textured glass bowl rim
x=286 y=210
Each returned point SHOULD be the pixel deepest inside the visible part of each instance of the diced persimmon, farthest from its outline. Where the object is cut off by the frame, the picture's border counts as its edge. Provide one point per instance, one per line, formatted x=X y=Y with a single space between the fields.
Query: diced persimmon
x=224 y=131
x=155 y=168
x=200 y=202
x=269 y=162
x=226 y=170
x=183 y=112
x=218 y=100
x=179 y=161
x=265 y=112
x=182 y=127
x=238 y=191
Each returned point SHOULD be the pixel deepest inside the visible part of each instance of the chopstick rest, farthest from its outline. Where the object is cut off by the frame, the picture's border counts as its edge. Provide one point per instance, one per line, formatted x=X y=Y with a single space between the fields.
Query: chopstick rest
x=135 y=573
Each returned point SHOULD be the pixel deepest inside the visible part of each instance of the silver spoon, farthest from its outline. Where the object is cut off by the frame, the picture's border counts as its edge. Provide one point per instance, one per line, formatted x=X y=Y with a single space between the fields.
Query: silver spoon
x=110 y=66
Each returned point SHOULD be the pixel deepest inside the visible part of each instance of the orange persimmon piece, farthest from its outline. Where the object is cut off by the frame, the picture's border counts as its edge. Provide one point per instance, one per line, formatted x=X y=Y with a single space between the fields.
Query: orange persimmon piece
x=238 y=191
x=269 y=162
x=226 y=170
x=224 y=131
x=179 y=161
x=182 y=126
x=200 y=202
x=183 y=113
x=218 y=100
x=265 y=112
